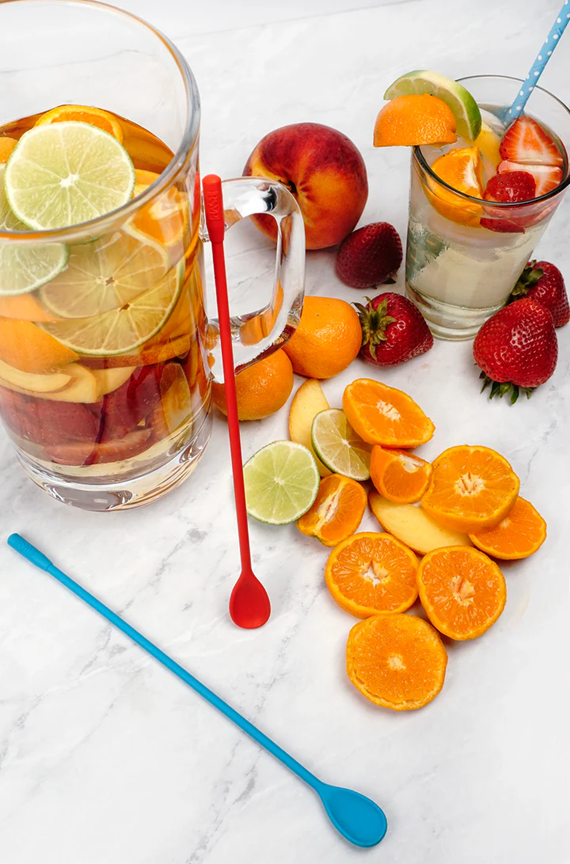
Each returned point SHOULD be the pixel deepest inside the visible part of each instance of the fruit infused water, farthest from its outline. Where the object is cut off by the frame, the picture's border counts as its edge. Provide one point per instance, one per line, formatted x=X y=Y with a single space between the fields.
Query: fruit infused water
x=103 y=364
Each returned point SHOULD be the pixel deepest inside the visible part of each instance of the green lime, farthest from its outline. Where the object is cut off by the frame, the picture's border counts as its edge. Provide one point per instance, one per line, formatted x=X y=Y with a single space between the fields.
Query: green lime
x=25 y=266
x=64 y=174
x=105 y=274
x=337 y=445
x=281 y=482
x=121 y=330
x=465 y=109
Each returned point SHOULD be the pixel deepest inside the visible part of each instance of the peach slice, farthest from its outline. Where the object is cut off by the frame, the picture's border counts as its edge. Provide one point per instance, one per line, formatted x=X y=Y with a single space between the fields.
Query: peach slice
x=111 y=379
x=308 y=401
x=15 y=379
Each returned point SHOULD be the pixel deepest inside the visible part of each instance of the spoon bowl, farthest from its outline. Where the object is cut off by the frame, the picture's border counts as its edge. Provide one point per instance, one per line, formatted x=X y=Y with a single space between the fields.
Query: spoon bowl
x=355 y=816
x=249 y=602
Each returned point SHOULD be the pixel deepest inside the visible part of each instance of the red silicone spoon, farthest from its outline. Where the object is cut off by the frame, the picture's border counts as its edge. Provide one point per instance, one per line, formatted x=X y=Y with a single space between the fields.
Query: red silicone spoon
x=249 y=603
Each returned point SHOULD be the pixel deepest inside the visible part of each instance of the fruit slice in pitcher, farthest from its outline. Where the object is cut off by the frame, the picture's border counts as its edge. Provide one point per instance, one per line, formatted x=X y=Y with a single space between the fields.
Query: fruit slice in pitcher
x=175 y=403
x=83 y=114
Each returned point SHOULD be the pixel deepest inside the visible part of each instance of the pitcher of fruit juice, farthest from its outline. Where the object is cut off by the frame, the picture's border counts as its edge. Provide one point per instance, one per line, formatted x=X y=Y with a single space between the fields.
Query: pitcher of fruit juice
x=106 y=352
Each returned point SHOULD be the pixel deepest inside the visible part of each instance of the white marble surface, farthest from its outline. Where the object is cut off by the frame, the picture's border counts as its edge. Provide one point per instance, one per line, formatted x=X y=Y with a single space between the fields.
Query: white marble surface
x=107 y=759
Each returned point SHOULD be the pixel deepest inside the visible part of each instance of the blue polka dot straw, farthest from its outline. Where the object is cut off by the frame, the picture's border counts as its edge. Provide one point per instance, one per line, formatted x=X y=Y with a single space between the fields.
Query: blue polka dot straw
x=537 y=69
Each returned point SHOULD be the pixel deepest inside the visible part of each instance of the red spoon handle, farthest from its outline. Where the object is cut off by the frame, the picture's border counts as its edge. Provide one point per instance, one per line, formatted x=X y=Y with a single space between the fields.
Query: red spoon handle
x=214 y=210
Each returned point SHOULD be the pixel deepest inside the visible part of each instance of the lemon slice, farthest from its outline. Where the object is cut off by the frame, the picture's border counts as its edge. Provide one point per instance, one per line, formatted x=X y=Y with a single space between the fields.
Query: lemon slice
x=121 y=330
x=104 y=275
x=64 y=174
x=25 y=266
x=281 y=482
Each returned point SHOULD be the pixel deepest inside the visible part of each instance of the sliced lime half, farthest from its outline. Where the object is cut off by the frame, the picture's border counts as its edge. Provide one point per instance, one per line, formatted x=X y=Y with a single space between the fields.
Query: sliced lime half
x=64 y=174
x=339 y=447
x=281 y=482
x=465 y=109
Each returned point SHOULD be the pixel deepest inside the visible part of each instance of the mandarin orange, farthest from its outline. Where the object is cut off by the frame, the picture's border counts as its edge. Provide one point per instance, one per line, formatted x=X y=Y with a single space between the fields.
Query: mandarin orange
x=83 y=114
x=384 y=415
x=461 y=169
x=413 y=120
x=31 y=349
x=399 y=476
x=6 y=147
x=519 y=535
x=262 y=389
x=337 y=511
x=327 y=339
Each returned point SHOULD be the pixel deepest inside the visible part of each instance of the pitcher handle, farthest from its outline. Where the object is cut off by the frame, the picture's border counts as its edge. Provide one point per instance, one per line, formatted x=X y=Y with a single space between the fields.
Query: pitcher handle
x=258 y=334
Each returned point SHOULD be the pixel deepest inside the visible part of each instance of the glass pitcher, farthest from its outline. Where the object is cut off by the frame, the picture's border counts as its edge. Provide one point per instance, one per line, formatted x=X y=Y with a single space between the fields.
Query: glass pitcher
x=106 y=353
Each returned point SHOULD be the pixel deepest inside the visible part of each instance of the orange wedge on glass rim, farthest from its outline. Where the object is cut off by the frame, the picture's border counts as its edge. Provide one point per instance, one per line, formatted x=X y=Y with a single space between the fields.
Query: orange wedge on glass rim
x=337 y=511
x=463 y=170
x=372 y=573
x=384 y=415
x=470 y=489
x=396 y=661
x=83 y=114
x=519 y=535
x=413 y=120
x=399 y=476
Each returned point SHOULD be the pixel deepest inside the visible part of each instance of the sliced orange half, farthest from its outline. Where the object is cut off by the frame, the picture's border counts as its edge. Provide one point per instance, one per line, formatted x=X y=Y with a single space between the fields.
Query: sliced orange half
x=384 y=415
x=463 y=170
x=520 y=533
x=84 y=114
x=413 y=120
x=399 y=476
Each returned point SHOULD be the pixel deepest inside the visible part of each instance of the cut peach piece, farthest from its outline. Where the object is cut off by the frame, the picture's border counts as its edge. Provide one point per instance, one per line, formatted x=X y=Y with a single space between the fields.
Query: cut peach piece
x=31 y=349
x=83 y=386
x=15 y=379
x=175 y=406
x=413 y=526
x=309 y=400
x=111 y=379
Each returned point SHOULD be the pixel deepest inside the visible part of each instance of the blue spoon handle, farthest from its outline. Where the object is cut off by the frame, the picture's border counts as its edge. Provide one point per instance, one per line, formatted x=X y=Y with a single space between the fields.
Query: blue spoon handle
x=36 y=557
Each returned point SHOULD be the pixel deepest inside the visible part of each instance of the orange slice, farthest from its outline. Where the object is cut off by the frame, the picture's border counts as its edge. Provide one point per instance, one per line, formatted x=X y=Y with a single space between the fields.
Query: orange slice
x=25 y=307
x=31 y=349
x=370 y=573
x=413 y=120
x=520 y=533
x=463 y=170
x=165 y=220
x=84 y=114
x=397 y=661
x=384 y=415
x=470 y=489
x=462 y=591
x=337 y=511
x=6 y=147
x=399 y=476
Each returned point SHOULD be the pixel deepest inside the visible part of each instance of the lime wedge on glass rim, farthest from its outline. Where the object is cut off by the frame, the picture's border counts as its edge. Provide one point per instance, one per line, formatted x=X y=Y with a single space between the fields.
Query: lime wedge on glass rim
x=281 y=482
x=25 y=266
x=121 y=330
x=64 y=174
x=456 y=97
x=339 y=447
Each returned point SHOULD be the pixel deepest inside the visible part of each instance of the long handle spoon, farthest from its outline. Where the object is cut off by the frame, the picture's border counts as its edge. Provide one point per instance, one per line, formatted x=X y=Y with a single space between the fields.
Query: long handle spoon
x=249 y=603
x=356 y=817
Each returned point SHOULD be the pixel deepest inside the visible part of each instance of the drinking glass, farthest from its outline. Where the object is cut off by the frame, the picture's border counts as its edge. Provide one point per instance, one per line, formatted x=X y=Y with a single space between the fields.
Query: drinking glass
x=458 y=272
x=118 y=420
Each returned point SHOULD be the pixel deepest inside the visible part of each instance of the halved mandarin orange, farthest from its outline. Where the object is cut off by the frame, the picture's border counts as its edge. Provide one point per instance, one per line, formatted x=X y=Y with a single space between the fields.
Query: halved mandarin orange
x=520 y=533
x=397 y=661
x=84 y=114
x=407 y=121
x=399 y=476
x=462 y=591
x=6 y=147
x=463 y=170
x=384 y=415
x=372 y=573
x=470 y=489
x=337 y=511
x=164 y=220
x=30 y=349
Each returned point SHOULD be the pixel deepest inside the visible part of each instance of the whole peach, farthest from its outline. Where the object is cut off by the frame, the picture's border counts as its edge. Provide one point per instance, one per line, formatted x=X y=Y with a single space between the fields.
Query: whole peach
x=324 y=171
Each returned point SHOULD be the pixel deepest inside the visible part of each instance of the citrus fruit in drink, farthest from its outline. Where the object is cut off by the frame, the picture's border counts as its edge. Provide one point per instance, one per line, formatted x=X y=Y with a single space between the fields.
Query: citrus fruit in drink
x=408 y=121
x=63 y=174
x=261 y=389
x=281 y=482
x=83 y=114
x=461 y=169
x=462 y=591
x=338 y=446
x=327 y=339
x=396 y=661
x=6 y=147
x=337 y=511
x=471 y=488
x=26 y=346
x=370 y=573
x=455 y=95
x=399 y=476
x=384 y=415
x=519 y=535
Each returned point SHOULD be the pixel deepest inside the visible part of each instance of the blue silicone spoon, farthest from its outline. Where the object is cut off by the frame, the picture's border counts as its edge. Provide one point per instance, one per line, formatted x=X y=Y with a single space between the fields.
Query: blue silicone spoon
x=356 y=817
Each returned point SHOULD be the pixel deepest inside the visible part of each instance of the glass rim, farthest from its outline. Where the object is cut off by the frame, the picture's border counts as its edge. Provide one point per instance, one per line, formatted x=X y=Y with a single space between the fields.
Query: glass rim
x=419 y=156
x=189 y=137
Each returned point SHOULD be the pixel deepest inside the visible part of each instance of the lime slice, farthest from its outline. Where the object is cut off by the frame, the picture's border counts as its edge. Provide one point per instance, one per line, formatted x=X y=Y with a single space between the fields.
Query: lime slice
x=281 y=482
x=465 y=109
x=121 y=330
x=25 y=266
x=67 y=173
x=339 y=447
x=103 y=275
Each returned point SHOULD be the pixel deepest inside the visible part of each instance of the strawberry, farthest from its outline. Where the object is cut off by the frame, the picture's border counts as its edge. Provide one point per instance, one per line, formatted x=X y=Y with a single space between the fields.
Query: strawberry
x=527 y=142
x=369 y=256
x=516 y=348
x=546 y=177
x=509 y=188
x=544 y=283
x=42 y=421
x=83 y=453
x=393 y=330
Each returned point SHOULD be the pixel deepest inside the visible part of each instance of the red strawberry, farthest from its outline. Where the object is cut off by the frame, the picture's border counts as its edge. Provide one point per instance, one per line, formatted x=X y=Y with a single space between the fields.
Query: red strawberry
x=516 y=348
x=510 y=188
x=393 y=330
x=526 y=141
x=131 y=403
x=48 y=422
x=544 y=283
x=369 y=256
x=546 y=177
x=83 y=453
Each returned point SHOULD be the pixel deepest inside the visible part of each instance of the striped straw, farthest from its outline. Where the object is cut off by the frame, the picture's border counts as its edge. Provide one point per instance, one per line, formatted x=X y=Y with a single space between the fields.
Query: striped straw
x=537 y=68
